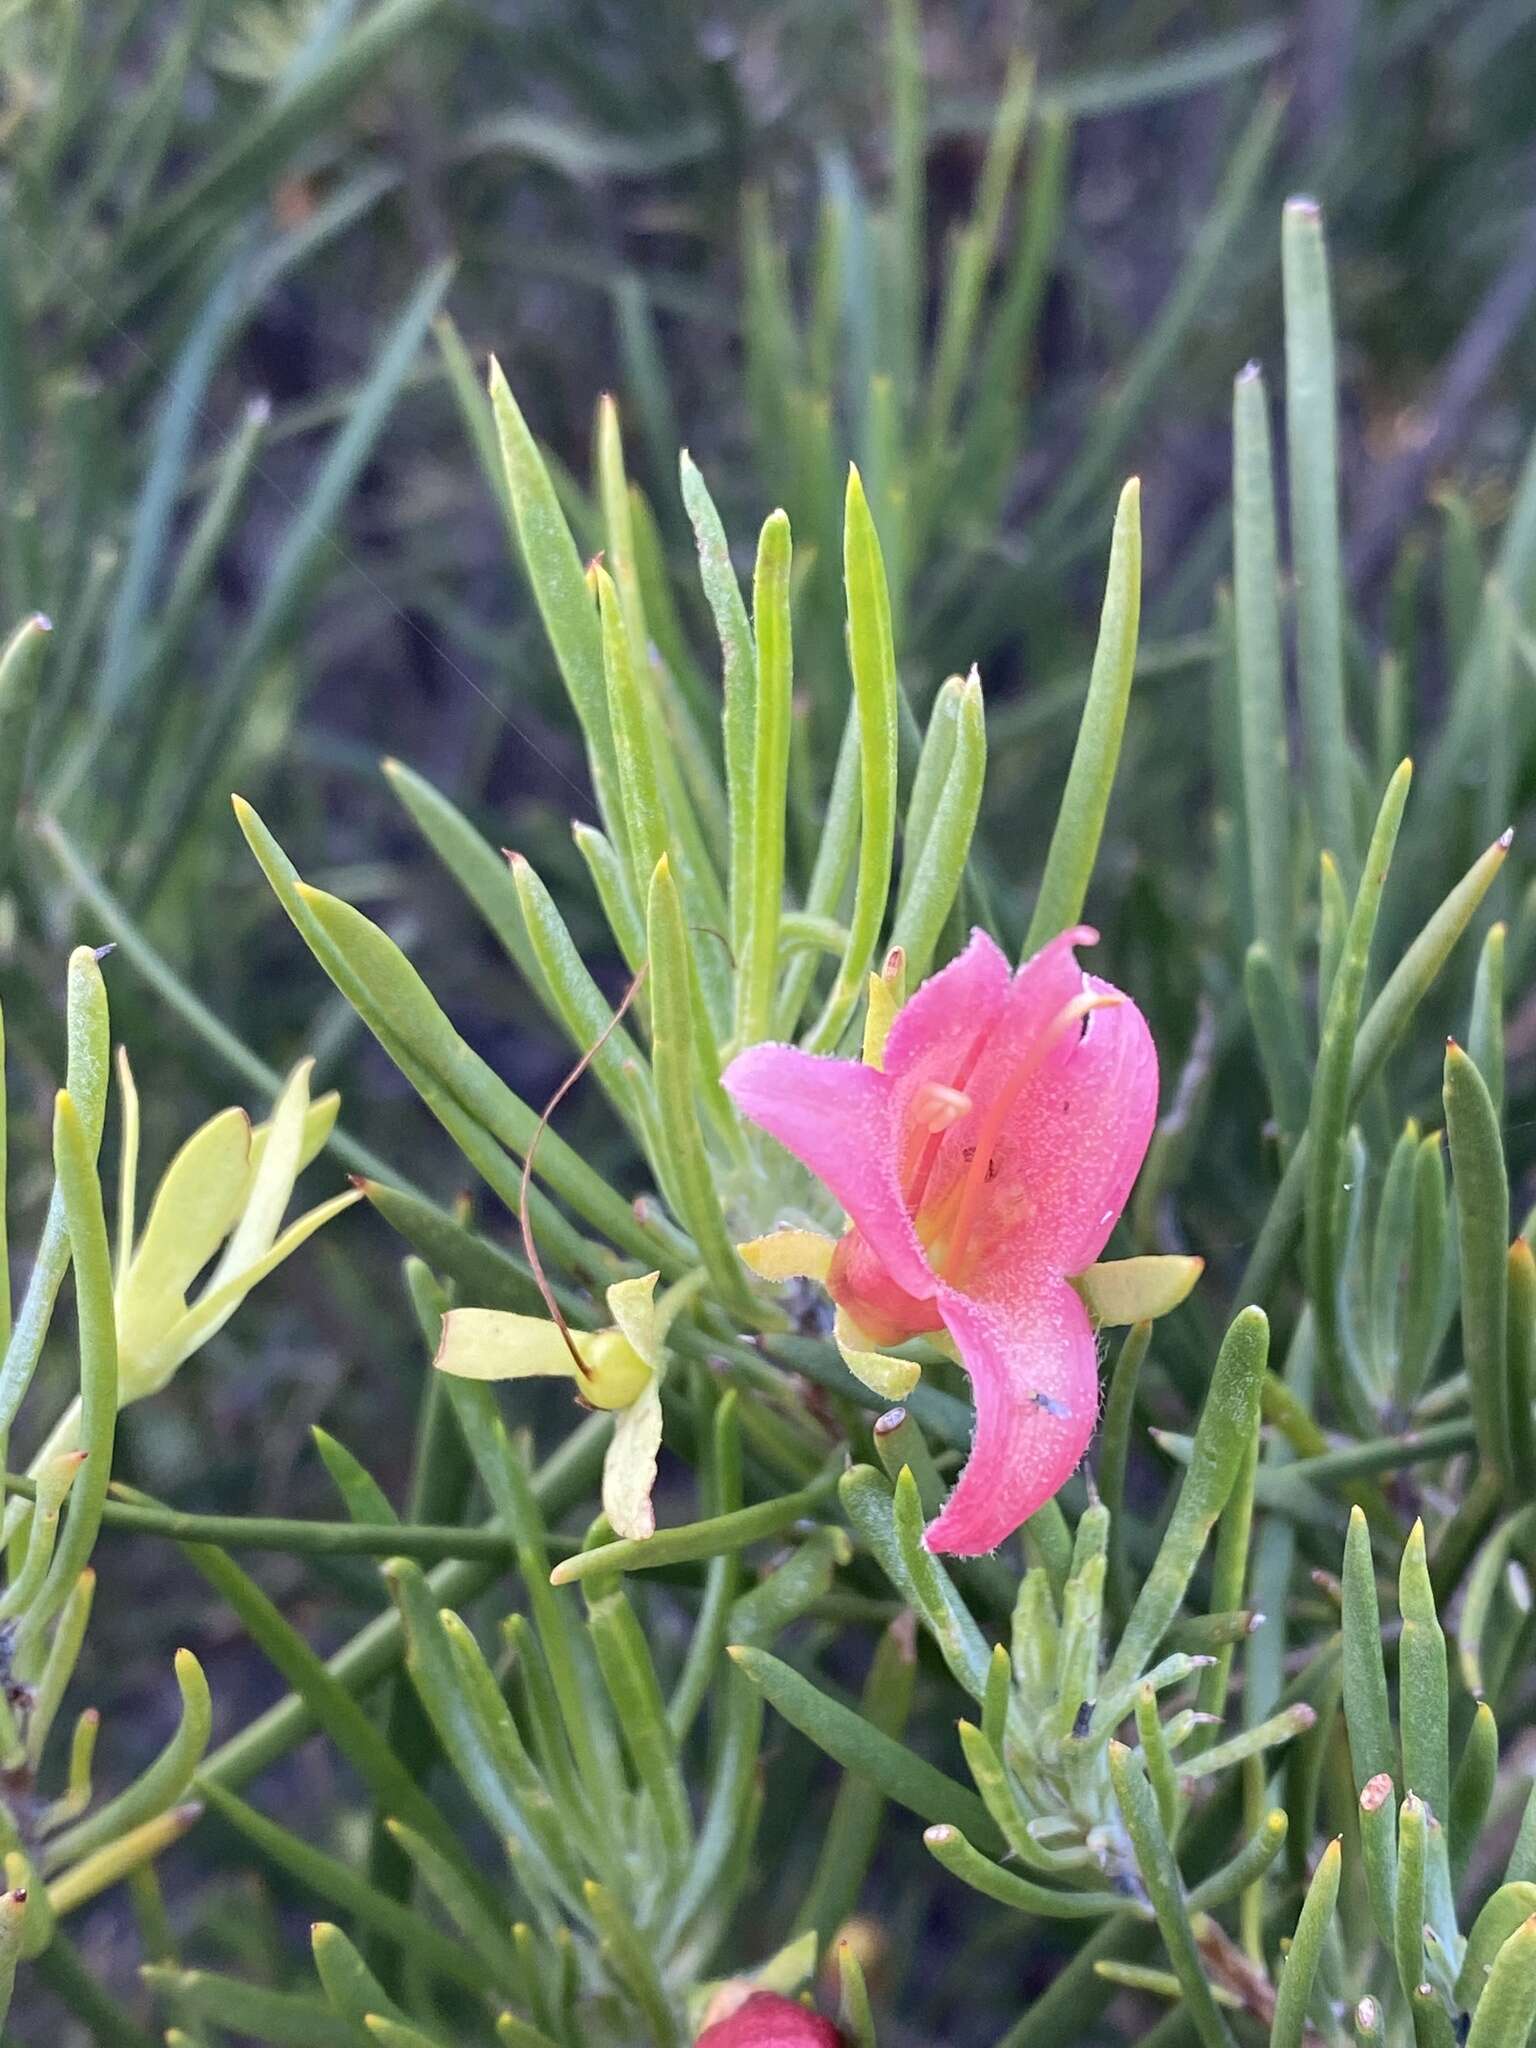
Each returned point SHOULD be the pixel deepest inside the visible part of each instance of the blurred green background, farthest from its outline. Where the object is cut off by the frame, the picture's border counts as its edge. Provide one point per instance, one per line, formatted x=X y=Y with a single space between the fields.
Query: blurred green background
x=238 y=470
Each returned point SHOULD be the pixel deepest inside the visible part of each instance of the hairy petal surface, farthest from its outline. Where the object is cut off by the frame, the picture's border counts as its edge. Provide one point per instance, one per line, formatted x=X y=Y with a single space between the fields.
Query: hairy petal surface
x=835 y=1116
x=1033 y=1364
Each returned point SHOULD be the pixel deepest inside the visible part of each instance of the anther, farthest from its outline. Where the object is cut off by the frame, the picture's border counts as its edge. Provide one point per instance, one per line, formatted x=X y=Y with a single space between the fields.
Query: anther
x=936 y=1106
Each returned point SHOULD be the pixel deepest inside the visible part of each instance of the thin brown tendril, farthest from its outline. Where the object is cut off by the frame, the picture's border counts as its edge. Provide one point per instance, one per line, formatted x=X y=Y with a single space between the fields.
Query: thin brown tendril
x=715 y=932
x=530 y=1249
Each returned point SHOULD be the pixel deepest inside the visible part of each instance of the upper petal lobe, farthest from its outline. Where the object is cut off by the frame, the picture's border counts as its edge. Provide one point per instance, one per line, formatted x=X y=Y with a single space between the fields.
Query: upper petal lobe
x=835 y=1116
x=1064 y=1120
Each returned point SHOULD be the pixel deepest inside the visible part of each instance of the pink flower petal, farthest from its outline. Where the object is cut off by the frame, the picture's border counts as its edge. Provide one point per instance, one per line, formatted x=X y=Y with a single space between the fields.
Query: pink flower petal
x=1076 y=1129
x=1030 y=1353
x=935 y=1029
x=835 y=1116
x=1073 y=1143
x=968 y=1028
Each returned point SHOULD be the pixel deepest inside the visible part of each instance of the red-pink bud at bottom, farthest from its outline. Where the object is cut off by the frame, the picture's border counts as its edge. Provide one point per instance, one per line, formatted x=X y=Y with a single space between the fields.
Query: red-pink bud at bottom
x=767 y=2021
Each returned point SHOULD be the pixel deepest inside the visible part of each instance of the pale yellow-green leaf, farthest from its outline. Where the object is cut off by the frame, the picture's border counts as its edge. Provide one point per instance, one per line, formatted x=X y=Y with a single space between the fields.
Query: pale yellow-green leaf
x=194 y=1210
x=629 y=1468
x=891 y=1378
x=270 y=1189
x=1137 y=1290
x=319 y=1122
x=214 y=1309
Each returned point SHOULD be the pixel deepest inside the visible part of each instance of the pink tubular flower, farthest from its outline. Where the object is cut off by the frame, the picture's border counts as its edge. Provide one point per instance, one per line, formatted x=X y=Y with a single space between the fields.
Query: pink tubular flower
x=765 y=2020
x=980 y=1170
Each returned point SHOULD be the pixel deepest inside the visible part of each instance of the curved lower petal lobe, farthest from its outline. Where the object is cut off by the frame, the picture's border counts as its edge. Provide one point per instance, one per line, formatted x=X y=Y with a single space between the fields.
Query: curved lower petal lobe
x=1033 y=1366
x=835 y=1116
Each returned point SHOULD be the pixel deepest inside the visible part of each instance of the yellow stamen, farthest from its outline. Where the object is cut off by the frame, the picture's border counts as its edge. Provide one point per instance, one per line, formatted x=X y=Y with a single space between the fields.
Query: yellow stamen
x=997 y=1112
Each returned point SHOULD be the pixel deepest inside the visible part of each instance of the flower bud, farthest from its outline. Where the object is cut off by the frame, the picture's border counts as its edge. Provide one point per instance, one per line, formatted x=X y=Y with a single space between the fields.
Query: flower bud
x=617 y=1374
x=765 y=2020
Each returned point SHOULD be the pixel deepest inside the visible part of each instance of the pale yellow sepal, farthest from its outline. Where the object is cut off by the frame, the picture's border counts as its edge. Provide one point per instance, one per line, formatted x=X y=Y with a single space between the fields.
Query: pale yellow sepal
x=632 y=1304
x=493 y=1344
x=891 y=1378
x=878 y=1019
x=790 y=1255
x=629 y=1466
x=792 y=1968
x=1122 y=1291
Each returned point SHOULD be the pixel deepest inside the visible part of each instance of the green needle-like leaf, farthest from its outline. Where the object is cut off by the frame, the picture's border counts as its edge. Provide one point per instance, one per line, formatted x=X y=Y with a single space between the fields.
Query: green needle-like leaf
x=872 y=658
x=858 y=1746
x=1312 y=433
x=337 y=1883
x=1510 y=1993
x=1412 y=1862
x=1160 y=1875
x=1327 y=1123
x=679 y=1085
x=1260 y=669
x=1380 y=1029
x=691 y=1541
x=948 y=1846
x=74 y=1167
x=1085 y=800
x=560 y=591
x=934 y=864
x=1367 y=1711
x=1423 y=1684
x=738 y=687
x=1294 y=1992
x=1225 y=1433
x=1482 y=1209
x=21 y=674
x=757 y=924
